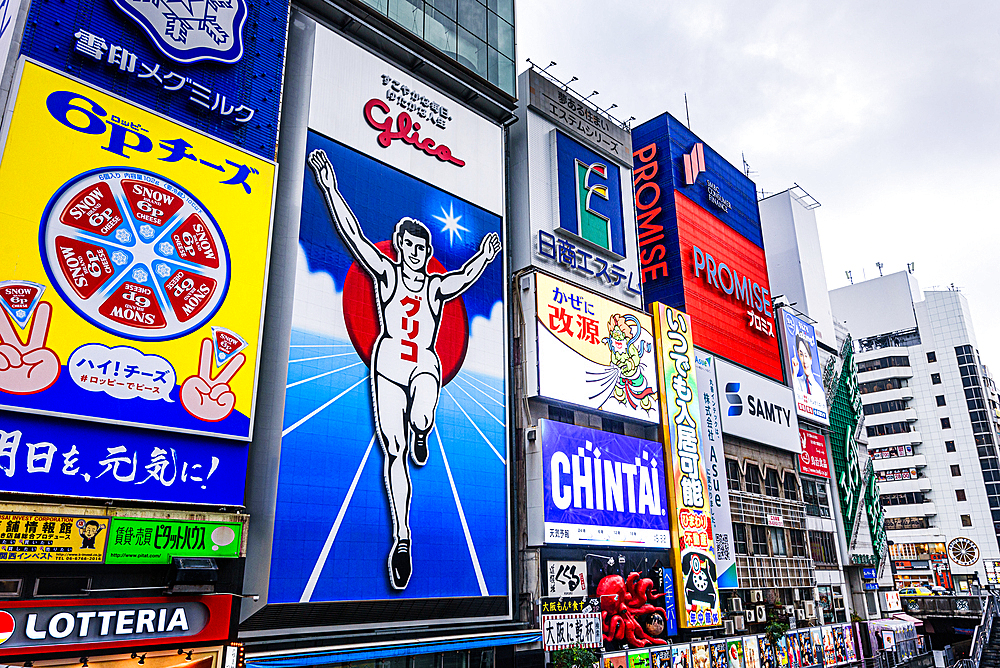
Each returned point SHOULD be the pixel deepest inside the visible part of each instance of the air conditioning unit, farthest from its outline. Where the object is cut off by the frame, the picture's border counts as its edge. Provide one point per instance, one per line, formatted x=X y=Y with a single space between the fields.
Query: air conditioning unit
x=756 y=596
x=800 y=614
x=751 y=617
x=736 y=604
x=740 y=624
x=810 y=609
x=761 y=613
x=789 y=610
x=730 y=628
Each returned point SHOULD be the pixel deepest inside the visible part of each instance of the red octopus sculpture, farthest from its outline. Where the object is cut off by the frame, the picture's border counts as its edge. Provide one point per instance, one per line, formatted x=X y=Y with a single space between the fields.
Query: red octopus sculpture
x=622 y=601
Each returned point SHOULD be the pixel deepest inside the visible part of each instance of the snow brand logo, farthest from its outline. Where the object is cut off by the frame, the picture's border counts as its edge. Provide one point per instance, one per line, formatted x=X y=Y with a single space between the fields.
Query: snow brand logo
x=733 y=397
x=188 y=31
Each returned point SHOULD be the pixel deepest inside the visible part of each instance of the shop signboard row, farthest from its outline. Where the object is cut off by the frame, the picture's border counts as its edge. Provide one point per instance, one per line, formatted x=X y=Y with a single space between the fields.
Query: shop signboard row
x=824 y=647
x=114 y=540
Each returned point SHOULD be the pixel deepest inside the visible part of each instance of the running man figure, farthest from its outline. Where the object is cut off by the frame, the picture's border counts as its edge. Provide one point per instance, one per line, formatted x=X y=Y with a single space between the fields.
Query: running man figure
x=405 y=369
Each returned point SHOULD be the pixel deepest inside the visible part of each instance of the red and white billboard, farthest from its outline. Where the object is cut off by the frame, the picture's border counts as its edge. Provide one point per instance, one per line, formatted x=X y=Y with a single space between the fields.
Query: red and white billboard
x=812 y=459
x=726 y=291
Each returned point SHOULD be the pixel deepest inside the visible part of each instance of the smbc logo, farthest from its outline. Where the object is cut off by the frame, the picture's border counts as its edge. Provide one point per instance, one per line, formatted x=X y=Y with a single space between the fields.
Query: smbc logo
x=733 y=397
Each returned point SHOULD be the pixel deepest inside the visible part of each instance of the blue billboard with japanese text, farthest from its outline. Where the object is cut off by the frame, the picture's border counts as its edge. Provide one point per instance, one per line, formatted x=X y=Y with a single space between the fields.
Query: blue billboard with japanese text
x=215 y=66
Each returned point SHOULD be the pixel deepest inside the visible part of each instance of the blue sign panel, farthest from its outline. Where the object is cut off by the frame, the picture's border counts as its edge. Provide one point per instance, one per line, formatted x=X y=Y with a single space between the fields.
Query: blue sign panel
x=670 y=161
x=215 y=66
x=42 y=455
x=871 y=586
x=869 y=574
x=590 y=198
x=601 y=487
x=393 y=474
x=669 y=602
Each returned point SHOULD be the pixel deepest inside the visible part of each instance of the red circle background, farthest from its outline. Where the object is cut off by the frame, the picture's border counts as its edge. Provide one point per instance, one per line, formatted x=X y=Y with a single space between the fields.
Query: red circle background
x=361 y=317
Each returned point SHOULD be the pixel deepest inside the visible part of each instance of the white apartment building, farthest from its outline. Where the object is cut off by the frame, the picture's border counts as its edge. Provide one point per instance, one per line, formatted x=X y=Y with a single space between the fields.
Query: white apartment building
x=931 y=422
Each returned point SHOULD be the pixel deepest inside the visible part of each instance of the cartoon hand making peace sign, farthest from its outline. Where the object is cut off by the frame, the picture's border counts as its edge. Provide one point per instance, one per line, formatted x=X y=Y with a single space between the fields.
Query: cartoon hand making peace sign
x=26 y=368
x=206 y=398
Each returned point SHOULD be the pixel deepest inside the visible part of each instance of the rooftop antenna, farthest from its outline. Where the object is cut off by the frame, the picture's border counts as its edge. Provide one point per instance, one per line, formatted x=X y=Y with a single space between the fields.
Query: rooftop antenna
x=687 y=112
x=911 y=266
x=746 y=166
x=879 y=265
x=849 y=277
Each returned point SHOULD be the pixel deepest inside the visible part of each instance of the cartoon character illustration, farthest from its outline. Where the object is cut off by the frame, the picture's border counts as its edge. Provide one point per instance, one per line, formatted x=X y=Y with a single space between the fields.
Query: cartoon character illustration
x=206 y=398
x=405 y=368
x=625 y=372
x=698 y=571
x=27 y=368
x=88 y=534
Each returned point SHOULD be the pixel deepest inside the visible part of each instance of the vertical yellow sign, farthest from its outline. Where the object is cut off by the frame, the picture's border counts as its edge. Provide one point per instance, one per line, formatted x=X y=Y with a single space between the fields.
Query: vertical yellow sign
x=687 y=485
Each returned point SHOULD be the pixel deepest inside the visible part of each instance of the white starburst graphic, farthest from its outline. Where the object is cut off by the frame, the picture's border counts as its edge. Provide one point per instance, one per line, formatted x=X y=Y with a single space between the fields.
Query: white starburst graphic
x=451 y=225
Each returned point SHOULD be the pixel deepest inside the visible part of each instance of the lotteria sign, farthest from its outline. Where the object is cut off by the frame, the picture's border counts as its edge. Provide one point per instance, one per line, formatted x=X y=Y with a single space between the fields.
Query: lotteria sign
x=602 y=488
x=34 y=627
x=689 y=493
x=700 y=244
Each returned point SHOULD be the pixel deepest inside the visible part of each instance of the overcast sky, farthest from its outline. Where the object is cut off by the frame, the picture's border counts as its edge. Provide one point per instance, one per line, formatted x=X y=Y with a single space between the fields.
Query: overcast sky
x=886 y=112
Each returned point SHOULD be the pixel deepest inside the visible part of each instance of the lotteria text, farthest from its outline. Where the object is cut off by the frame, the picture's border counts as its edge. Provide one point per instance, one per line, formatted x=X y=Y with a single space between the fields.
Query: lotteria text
x=107 y=624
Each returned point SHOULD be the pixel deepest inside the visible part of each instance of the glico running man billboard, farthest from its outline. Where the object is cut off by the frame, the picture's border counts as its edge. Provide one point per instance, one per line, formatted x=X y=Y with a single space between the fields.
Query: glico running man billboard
x=393 y=472
x=134 y=258
x=700 y=244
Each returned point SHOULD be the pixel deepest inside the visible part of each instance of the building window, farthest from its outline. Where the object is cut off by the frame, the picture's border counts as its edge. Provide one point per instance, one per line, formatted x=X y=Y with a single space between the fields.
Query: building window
x=814 y=496
x=882 y=385
x=945 y=423
x=771 y=483
x=883 y=363
x=956 y=470
x=613 y=426
x=733 y=474
x=888 y=429
x=557 y=414
x=967 y=520
x=791 y=488
x=932 y=357
x=778 y=547
x=823 y=547
x=758 y=539
x=960 y=495
x=885 y=407
x=753 y=478
x=798 y=542
x=740 y=534
x=949 y=446
x=935 y=379
x=940 y=400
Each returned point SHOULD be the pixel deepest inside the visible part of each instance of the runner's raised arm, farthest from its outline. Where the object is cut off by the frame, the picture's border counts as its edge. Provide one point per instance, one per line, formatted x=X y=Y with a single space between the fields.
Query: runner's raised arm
x=344 y=221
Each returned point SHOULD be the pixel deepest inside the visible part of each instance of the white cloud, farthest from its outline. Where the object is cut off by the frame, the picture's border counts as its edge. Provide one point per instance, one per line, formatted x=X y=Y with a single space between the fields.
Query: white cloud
x=318 y=307
x=485 y=355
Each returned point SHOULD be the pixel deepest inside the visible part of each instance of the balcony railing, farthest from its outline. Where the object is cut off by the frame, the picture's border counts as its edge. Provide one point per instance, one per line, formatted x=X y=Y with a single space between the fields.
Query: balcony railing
x=770 y=572
x=755 y=509
x=971 y=606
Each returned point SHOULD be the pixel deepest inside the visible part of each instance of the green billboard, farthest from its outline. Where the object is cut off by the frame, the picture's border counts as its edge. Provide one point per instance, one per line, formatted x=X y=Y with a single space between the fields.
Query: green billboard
x=156 y=541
